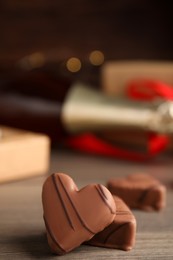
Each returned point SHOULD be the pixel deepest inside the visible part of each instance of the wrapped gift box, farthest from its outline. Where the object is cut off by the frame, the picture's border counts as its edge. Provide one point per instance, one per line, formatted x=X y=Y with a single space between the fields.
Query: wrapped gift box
x=22 y=154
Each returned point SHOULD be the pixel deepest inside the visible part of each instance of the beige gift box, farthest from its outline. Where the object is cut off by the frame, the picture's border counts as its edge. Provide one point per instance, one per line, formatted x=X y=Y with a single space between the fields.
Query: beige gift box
x=116 y=75
x=22 y=154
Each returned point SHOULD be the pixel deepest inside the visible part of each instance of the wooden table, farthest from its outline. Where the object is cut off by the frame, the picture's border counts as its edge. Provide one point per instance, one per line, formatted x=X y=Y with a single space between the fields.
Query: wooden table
x=22 y=231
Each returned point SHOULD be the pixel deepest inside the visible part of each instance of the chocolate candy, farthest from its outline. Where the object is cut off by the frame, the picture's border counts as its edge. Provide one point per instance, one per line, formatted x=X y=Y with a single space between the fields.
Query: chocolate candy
x=73 y=216
x=139 y=191
x=120 y=234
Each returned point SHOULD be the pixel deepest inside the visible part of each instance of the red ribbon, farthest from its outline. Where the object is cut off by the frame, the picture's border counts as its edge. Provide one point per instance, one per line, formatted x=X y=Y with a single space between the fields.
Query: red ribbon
x=146 y=90
x=92 y=144
x=137 y=89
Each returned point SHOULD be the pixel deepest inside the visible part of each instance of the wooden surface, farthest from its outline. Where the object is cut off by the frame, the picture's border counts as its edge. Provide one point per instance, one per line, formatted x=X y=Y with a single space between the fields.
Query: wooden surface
x=22 y=231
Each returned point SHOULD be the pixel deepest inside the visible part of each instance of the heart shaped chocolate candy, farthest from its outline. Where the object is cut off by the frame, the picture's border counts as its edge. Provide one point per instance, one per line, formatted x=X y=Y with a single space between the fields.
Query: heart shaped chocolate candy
x=73 y=216
x=140 y=191
x=120 y=234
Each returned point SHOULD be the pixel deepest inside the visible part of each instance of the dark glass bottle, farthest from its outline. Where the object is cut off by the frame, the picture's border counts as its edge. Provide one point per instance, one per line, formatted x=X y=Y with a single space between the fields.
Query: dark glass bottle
x=33 y=102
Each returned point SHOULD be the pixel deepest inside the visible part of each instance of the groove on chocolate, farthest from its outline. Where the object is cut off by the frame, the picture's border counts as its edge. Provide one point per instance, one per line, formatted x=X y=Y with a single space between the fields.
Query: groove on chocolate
x=75 y=209
x=62 y=202
x=113 y=232
x=100 y=192
x=123 y=213
x=145 y=193
x=52 y=236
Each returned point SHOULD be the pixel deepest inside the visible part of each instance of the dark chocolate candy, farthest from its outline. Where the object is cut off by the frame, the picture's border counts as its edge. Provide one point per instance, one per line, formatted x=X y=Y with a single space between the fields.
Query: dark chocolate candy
x=73 y=216
x=121 y=233
x=140 y=191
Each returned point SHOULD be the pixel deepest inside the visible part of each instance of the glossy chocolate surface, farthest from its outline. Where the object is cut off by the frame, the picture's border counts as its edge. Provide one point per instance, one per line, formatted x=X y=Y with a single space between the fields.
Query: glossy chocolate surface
x=120 y=234
x=140 y=191
x=73 y=216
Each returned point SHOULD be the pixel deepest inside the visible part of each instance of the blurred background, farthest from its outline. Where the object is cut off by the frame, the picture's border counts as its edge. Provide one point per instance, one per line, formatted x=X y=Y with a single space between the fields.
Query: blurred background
x=46 y=46
x=121 y=29
x=58 y=30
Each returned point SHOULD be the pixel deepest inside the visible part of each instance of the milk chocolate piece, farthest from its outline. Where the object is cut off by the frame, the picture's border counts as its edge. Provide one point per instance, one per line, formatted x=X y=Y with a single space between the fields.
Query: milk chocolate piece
x=121 y=233
x=73 y=216
x=140 y=191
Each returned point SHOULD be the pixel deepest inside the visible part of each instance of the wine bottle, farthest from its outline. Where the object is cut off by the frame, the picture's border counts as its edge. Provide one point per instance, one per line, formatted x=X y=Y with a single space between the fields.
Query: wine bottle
x=60 y=109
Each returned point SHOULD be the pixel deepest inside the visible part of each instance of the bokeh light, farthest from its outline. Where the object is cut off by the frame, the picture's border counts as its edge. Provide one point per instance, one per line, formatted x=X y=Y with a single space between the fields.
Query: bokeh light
x=96 y=58
x=73 y=64
x=32 y=61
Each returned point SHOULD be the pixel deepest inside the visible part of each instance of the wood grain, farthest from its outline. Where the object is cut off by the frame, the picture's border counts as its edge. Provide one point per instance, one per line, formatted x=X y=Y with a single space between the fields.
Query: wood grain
x=22 y=231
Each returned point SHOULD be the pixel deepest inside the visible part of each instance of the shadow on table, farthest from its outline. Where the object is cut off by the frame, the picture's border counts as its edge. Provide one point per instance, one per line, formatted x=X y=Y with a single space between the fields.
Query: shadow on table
x=35 y=245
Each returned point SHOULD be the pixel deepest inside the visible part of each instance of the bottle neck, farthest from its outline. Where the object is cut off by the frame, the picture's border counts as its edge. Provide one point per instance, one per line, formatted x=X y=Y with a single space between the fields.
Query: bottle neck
x=86 y=109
